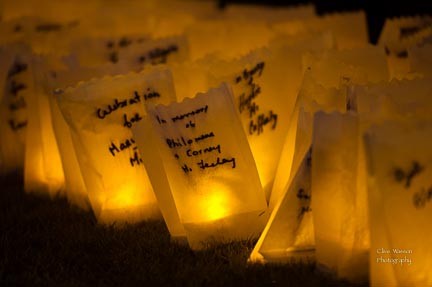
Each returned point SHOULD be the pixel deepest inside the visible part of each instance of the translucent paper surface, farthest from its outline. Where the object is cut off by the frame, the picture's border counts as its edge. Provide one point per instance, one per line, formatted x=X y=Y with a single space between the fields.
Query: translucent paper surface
x=289 y=233
x=209 y=168
x=101 y=114
x=399 y=161
x=339 y=200
x=43 y=170
x=326 y=72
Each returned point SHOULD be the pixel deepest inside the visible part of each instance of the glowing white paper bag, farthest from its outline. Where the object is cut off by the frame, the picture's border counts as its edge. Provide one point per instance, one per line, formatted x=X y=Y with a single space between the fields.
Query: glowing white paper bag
x=43 y=171
x=55 y=79
x=209 y=168
x=263 y=99
x=399 y=167
x=75 y=188
x=289 y=233
x=100 y=114
x=325 y=86
x=311 y=98
x=13 y=115
x=279 y=241
x=60 y=78
x=146 y=139
x=339 y=200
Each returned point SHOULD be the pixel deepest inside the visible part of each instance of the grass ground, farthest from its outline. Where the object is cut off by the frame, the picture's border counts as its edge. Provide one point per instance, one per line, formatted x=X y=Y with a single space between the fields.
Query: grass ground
x=49 y=243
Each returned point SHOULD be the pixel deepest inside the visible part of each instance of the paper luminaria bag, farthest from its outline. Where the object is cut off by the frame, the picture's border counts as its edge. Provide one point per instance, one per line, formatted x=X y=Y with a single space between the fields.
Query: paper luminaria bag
x=311 y=98
x=263 y=99
x=263 y=103
x=317 y=93
x=209 y=168
x=55 y=79
x=400 y=193
x=339 y=170
x=43 y=170
x=324 y=87
x=289 y=233
x=100 y=114
x=60 y=77
x=339 y=196
x=43 y=167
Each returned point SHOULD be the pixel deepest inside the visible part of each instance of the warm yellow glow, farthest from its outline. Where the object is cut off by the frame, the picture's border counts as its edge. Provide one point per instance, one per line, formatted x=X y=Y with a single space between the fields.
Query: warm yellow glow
x=126 y=197
x=216 y=204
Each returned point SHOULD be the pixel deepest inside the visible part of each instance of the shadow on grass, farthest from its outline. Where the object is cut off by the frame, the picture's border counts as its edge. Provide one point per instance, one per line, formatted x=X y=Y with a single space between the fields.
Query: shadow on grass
x=48 y=242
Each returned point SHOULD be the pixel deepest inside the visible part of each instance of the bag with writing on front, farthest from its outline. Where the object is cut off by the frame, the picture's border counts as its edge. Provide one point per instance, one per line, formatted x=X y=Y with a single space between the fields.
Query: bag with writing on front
x=100 y=114
x=114 y=55
x=289 y=233
x=339 y=178
x=263 y=100
x=325 y=86
x=208 y=167
x=399 y=162
x=55 y=129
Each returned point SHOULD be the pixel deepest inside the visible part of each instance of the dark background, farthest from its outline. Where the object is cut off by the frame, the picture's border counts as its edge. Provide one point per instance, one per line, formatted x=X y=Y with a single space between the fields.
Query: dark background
x=377 y=11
